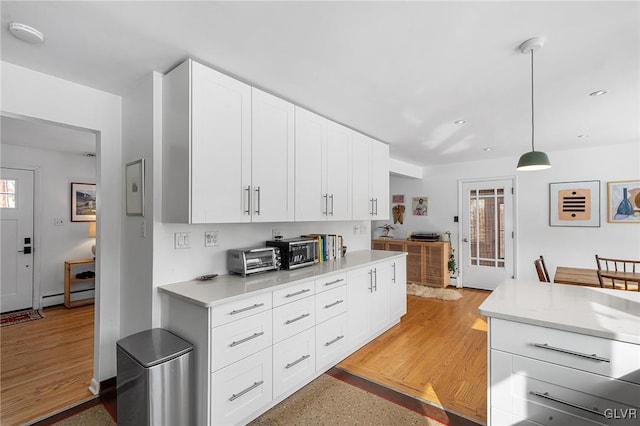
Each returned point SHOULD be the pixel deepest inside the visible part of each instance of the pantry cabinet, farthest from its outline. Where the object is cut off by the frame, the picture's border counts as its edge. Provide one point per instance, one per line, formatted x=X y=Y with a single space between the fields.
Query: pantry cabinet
x=370 y=163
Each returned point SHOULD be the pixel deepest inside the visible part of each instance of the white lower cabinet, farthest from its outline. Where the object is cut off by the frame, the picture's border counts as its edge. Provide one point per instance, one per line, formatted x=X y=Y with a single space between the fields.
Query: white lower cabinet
x=293 y=318
x=331 y=342
x=294 y=362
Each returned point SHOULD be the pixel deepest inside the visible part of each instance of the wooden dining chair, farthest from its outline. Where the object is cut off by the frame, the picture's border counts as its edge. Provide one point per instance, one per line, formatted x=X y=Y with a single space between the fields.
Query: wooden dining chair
x=620 y=274
x=541 y=269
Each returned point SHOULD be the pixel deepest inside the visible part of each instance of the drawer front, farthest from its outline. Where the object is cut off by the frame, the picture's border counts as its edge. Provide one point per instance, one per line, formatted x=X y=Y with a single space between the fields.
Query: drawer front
x=294 y=362
x=331 y=303
x=293 y=318
x=241 y=388
x=238 y=339
x=293 y=293
x=331 y=342
x=330 y=281
x=239 y=309
x=594 y=354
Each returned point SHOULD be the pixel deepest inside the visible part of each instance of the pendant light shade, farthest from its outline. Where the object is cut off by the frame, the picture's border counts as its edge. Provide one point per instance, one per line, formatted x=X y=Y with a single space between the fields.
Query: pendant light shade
x=534 y=160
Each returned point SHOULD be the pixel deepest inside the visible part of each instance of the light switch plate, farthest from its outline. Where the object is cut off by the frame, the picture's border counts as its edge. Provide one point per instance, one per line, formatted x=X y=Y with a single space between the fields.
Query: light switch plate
x=181 y=240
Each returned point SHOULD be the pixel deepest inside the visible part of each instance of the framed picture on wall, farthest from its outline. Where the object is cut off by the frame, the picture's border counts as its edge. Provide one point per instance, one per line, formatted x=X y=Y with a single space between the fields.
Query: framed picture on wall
x=623 y=201
x=134 y=181
x=419 y=206
x=83 y=202
x=574 y=203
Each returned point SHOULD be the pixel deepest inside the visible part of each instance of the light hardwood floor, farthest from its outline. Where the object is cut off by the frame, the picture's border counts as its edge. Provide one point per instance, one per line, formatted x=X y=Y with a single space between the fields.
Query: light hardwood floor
x=437 y=353
x=46 y=364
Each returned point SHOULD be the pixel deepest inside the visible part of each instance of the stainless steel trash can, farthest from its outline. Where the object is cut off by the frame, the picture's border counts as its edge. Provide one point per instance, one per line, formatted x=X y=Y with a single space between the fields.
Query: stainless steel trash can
x=154 y=383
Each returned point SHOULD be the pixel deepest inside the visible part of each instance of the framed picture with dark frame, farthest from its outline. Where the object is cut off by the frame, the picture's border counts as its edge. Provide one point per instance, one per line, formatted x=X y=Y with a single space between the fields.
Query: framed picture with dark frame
x=574 y=203
x=83 y=202
x=134 y=182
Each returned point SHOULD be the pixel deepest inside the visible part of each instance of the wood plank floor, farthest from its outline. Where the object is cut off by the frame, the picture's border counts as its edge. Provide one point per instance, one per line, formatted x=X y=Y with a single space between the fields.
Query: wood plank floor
x=437 y=353
x=45 y=365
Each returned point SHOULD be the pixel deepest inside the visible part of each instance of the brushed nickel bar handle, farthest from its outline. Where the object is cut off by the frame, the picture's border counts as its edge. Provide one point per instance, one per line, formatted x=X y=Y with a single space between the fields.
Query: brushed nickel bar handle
x=248 y=308
x=394 y=272
x=246 y=339
x=331 y=342
x=297 y=293
x=334 y=282
x=297 y=361
x=296 y=319
x=258 y=203
x=248 y=210
x=376 y=213
x=570 y=404
x=375 y=274
x=370 y=280
x=249 y=389
x=331 y=305
x=371 y=201
x=331 y=198
x=566 y=351
x=326 y=204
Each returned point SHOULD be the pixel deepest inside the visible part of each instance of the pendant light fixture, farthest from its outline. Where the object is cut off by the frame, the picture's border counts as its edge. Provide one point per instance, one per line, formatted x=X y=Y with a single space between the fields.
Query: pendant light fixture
x=534 y=160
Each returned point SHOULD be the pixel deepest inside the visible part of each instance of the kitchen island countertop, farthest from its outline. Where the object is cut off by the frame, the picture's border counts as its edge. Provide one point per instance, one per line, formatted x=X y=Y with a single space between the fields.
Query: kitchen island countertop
x=600 y=312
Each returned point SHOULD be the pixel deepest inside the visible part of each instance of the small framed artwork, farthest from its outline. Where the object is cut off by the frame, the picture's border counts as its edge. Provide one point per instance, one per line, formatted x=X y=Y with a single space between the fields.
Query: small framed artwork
x=419 y=206
x=623 y=201
x=574 y=203
x=83 y=202
x=134 y=181
x=397 y=199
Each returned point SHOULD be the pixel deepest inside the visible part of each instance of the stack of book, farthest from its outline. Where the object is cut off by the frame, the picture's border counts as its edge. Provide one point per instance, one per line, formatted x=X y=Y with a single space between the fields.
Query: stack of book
x=329 y=246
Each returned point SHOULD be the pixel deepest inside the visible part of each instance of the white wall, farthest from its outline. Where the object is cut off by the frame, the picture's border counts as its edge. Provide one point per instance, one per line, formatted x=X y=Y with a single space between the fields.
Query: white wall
x=566 y=246
x=29 y=93
x=57 y=243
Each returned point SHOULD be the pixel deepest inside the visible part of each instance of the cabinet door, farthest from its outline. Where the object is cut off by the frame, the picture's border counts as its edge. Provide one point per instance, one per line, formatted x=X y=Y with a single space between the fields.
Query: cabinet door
x=359 y=288
x=398 y=288
x=379 y=299
x=294 y=362
x=360 y=163
x=220 y=146
x=380 y=180
x=338 y=172
x=311 y=129
x=272 y=158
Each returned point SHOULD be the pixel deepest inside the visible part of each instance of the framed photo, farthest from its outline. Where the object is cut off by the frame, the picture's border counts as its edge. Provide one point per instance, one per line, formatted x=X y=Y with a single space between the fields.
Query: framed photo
x=419 y=206
x=134 y=183
x=623 y=201
x=574 y=203
x=83 y=202
x=397 y=199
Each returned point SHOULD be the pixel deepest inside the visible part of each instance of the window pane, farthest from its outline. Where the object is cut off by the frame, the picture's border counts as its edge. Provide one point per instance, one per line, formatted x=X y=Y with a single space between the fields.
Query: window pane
x=7 y=201
x=7 y=193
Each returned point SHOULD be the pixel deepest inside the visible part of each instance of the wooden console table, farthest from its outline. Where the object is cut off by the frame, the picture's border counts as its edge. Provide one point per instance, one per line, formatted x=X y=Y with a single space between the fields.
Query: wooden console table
x=70 y=279
x=426 y=261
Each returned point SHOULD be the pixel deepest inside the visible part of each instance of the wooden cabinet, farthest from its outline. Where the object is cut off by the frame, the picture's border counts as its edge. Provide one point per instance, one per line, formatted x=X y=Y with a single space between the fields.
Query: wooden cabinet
x=370 y=178
x=70 y=279
x=427 y=262
x=323 y=173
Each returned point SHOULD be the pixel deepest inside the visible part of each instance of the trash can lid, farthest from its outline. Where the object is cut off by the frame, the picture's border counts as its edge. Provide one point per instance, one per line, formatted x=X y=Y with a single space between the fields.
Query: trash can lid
x=153 y=347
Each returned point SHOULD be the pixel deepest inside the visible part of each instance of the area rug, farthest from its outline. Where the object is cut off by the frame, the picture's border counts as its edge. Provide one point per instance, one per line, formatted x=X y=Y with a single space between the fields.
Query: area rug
x=433 y=293
x=20 y=316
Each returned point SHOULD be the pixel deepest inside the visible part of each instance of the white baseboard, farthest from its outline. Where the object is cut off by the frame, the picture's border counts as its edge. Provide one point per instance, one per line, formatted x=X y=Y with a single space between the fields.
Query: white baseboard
x=58 y=299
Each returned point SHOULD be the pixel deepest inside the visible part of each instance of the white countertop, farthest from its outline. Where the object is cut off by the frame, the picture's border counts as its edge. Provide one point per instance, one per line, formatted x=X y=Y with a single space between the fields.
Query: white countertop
x=611 y=314
x=226 y=288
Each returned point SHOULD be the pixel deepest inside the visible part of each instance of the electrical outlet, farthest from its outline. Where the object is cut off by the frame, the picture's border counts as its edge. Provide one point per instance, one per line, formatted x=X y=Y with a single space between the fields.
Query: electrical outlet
x=276 y=233
x=181 y=240
x=363 y=229
x=58 y=221
x=211 y=238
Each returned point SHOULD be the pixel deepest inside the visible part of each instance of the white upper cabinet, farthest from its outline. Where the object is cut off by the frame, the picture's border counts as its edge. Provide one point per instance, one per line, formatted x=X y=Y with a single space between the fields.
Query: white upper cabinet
x=206 y=146
x=338 y=170
x=272 y=159
x=370 y=167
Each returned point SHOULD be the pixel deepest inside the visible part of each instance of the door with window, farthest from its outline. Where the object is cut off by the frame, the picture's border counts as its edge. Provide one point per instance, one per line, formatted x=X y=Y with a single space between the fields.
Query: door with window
x=487 y=250
x=16 y=213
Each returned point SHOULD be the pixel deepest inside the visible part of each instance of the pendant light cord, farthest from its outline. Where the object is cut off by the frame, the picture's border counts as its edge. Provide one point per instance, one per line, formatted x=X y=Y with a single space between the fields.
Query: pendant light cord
x=532 y=126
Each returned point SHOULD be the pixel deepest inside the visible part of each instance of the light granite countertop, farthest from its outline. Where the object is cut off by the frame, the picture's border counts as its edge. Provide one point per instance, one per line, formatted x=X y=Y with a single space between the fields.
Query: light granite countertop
x=227 y=288
x=611 y=314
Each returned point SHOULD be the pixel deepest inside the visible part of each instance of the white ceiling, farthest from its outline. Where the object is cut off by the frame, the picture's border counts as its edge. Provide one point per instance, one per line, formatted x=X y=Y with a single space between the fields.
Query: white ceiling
x=401 y=72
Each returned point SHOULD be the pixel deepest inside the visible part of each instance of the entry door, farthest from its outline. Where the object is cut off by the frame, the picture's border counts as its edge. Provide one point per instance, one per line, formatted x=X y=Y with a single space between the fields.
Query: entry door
x=487 y=233
x=16 y=211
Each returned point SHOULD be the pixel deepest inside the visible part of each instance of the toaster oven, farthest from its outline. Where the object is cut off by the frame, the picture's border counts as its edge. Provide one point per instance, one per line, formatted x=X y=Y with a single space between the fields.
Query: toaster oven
x=252 y=260
x=296 y=252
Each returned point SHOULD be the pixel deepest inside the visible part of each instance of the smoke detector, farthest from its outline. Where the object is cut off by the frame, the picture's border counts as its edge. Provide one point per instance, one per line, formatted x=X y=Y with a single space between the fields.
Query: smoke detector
x=26 y=33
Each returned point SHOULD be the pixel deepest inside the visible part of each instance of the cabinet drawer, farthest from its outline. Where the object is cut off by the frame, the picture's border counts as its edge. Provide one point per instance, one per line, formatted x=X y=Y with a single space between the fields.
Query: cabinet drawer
x=240 y=309
x=241 y=388
x=594 y=354
x=331 y=342
x=331 y=303
x=238 y=339
x=294 y=362
x=293 y=293
x=330 y=281
x=293 y=318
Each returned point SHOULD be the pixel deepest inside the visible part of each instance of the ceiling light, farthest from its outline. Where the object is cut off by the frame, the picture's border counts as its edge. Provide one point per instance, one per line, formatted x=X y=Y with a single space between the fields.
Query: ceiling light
x=459 y=122
x=26 y=33
x=487 y=149
x=598 y=93
x=534 y=160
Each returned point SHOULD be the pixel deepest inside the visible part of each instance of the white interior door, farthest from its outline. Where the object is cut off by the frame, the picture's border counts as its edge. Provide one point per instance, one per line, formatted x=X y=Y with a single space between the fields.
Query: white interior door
x=487 y=249
x=16 y=212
